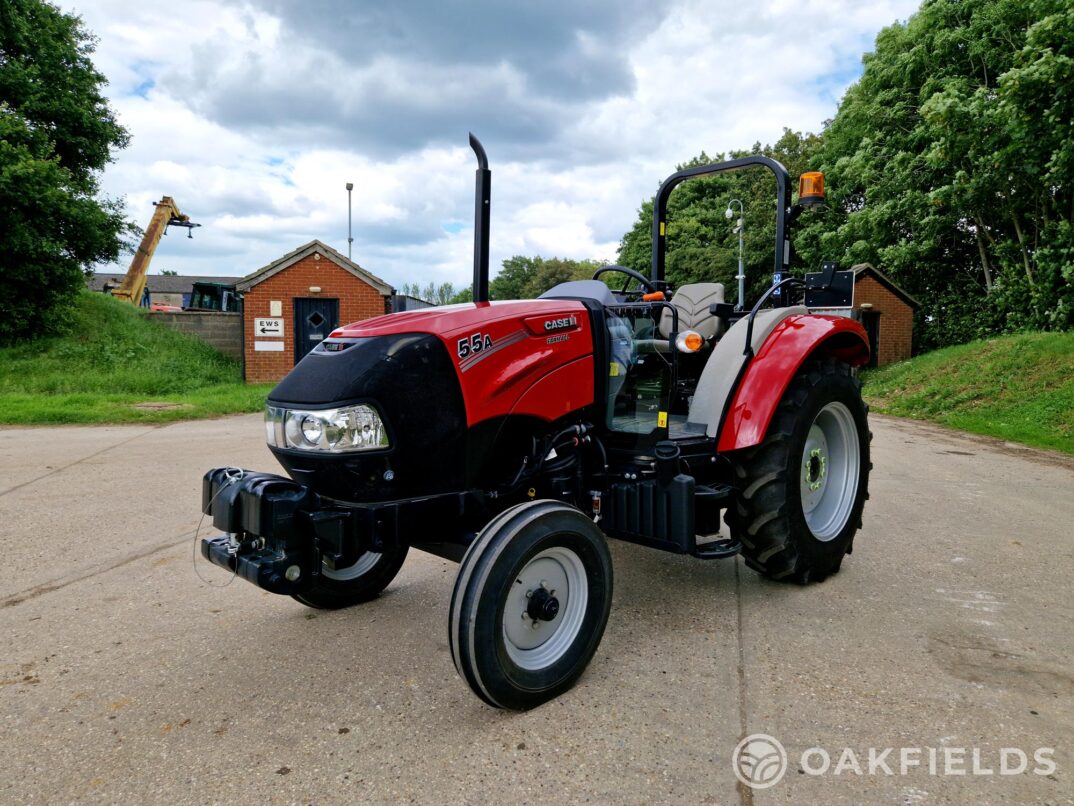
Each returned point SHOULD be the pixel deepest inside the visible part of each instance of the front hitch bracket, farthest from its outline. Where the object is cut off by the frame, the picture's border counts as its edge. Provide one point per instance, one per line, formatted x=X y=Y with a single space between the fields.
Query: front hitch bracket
x=270 y=540
x=279 y=533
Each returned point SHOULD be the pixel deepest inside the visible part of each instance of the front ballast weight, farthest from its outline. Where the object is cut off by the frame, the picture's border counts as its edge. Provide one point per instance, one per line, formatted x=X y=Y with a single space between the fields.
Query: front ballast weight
x=284 y=538
x=264 y=542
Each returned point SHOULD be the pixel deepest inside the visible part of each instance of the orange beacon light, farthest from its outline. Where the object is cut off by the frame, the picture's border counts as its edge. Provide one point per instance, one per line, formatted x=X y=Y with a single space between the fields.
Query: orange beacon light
x=811 y=188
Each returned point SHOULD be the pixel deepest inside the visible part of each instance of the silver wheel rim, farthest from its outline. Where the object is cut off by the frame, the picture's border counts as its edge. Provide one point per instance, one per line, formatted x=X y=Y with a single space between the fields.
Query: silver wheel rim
x=533 y=644
x=361 y=566
x=831 y=465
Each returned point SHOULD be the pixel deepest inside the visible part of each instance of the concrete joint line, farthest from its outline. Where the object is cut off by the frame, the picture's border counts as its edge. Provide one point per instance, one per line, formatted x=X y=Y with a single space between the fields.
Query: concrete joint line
x=745 y=794
x=61 y=582
x=80 y=461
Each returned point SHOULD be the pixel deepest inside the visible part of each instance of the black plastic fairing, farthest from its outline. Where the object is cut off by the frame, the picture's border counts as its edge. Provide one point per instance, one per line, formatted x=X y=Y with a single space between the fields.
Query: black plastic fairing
x=411 y=381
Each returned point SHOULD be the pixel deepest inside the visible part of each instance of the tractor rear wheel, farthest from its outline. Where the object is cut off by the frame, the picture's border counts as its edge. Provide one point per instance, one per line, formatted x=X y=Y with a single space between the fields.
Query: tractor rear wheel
x=530 y=604
x=804 y=487
x=371 y=573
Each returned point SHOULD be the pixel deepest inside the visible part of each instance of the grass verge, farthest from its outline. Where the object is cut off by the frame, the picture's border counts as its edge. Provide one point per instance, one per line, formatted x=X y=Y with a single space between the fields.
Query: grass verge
x=1017 y=388
x=112 y=365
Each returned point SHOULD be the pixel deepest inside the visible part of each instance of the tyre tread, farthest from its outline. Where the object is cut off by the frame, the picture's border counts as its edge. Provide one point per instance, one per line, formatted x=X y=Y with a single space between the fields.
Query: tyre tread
x=478 y=564
x=761 y=518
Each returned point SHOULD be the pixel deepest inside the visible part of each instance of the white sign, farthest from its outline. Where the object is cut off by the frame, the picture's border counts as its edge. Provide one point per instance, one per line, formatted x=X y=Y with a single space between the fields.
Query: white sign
x=268 y=346
x=268 y=327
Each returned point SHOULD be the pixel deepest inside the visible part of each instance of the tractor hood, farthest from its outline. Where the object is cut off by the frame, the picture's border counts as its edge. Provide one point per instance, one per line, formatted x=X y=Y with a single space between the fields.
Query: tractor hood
x=447 y=320
x=443 y=381
x=533 y=357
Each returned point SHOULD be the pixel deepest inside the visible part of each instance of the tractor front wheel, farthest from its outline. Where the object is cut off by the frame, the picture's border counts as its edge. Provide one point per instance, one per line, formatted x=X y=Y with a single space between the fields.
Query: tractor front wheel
x=364 y=580
x=803 y=489
x=530 y=604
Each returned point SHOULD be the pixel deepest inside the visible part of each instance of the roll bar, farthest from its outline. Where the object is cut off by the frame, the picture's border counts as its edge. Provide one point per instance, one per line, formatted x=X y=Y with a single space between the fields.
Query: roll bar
x=783 y=197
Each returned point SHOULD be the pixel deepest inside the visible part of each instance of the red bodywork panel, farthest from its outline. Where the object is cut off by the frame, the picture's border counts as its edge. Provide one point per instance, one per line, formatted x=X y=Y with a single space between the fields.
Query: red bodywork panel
x=775 y=364
x=533 y=357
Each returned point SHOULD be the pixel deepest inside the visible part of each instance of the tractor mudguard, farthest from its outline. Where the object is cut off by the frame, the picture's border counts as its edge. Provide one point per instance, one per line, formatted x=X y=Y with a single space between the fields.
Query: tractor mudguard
x=768 y=374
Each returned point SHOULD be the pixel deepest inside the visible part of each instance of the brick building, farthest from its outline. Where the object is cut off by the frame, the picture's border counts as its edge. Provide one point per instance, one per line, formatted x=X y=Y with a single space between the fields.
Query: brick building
x=886 y=312
x=291 y=304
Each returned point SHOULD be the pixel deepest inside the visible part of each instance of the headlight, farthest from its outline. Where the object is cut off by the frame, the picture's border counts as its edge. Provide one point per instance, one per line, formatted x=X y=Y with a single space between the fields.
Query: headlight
x=351 y=428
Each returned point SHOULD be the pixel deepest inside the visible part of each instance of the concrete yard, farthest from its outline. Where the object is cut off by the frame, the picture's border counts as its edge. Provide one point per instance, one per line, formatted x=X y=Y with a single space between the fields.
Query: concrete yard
x=127 y=676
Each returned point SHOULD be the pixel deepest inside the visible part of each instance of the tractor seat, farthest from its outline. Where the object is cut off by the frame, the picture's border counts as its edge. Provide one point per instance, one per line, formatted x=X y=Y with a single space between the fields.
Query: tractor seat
x=692 y=301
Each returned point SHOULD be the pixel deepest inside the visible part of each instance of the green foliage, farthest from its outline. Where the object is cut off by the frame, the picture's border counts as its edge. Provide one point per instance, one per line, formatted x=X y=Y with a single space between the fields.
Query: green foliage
x=110 y=356
x=950 y=166
x=702 y=245
x=465 y=295
x=520 y=278
x=529 y=277
x=1017 y=388
x=56 y=135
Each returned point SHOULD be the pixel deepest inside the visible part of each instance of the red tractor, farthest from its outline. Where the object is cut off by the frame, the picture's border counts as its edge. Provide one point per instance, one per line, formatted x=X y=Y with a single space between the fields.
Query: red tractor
x=516 y=437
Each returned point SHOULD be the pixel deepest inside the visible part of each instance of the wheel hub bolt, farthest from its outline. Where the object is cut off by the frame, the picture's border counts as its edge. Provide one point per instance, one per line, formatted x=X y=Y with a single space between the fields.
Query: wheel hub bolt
x=816 y=469
x=542 y=605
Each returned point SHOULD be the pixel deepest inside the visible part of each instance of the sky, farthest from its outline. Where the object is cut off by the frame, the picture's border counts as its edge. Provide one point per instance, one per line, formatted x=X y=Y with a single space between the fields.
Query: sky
x=255 y=115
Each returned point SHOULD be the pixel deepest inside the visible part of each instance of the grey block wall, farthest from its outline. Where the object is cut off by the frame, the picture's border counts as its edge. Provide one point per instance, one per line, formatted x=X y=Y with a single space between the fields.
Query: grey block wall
x=222 y=331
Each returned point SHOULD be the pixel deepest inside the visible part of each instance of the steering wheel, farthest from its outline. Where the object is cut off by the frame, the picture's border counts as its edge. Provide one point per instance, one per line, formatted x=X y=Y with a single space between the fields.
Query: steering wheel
x=645 y=283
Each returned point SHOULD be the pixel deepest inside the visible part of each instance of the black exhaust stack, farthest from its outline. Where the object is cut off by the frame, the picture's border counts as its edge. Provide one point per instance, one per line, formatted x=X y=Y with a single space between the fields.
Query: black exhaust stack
x=482 y=202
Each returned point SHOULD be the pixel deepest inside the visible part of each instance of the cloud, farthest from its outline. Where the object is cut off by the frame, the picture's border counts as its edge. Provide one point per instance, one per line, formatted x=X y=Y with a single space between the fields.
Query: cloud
x=254 y=115
x=564 y=49
x=387 y=79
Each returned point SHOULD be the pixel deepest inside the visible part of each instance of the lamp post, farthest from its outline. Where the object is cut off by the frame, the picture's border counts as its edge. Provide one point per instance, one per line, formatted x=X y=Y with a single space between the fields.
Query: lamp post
x=740 y=228
x=350 y=240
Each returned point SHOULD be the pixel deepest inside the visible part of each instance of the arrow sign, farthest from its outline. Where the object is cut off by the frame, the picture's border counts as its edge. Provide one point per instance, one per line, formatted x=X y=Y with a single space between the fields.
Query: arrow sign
x=268 y=327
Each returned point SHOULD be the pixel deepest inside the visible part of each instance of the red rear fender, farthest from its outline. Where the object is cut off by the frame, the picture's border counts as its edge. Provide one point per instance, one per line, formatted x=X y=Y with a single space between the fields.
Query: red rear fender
x=769 y=374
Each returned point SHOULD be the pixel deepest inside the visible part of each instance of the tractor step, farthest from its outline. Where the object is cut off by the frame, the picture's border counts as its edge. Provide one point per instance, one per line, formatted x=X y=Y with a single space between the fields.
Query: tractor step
x=718 y=549
x=670 y=515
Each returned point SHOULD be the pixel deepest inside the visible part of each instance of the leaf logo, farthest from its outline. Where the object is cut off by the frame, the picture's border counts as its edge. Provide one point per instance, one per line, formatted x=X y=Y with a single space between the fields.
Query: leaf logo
x=759 y=761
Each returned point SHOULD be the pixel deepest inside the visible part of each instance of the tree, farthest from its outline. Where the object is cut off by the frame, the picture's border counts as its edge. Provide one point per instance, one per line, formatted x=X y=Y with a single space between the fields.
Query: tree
x=169 y=273
x=529 y=277
x=442 y=294
x=1037 y=99
x=56 y=135
x=513 y=276
x=950 y=165
x=463 y=295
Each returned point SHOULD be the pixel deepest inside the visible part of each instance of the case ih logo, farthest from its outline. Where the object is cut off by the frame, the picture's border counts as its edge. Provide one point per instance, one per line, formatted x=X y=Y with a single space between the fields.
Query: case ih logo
x=553 y=325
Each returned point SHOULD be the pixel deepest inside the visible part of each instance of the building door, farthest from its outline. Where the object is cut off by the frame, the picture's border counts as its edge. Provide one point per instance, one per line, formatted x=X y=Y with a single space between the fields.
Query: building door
x=870 y=320
x=315 y=318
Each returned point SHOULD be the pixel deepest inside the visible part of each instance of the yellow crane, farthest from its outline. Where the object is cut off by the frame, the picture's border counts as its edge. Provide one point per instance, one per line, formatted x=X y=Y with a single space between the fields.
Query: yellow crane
x=165 y=215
